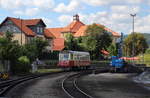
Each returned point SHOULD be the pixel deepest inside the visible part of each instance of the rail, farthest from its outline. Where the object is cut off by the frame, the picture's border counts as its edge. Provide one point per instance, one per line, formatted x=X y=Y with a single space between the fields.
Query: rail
x=70 y=87
x=9 y=84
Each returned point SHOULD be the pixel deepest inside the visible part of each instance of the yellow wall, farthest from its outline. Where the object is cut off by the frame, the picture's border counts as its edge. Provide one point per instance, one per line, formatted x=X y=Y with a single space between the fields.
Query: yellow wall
x=17 y=36
x=41 y=36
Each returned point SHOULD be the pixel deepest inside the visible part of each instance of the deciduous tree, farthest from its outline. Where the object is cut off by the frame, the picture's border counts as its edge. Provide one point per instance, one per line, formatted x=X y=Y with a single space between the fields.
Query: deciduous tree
x=137 y=42
x=96 y=39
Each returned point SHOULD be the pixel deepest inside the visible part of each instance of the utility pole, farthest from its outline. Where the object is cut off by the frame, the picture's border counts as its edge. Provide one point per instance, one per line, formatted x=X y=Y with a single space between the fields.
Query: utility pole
x=133 y=52
x=21 y=30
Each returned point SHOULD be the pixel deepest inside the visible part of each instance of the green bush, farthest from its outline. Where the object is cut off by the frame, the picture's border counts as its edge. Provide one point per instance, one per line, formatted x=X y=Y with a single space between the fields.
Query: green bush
x=24 y=60
x=23 y=65
x=148 y=51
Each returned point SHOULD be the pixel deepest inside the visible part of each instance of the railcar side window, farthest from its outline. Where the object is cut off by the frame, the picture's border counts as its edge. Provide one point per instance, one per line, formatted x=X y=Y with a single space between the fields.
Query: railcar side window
x=66 y=57
x=75 y=57
x=71 y=56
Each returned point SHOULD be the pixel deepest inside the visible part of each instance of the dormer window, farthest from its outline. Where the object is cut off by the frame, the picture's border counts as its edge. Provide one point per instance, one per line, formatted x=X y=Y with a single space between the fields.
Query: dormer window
x=39 y=30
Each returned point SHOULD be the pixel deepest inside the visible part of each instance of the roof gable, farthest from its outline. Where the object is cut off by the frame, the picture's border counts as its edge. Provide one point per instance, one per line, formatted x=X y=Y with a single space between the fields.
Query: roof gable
x=81 y=31
x=56 y=31
x=23 y=24
x=31 y=22
x=115 y=34
x=48 y=34
x=75 y=26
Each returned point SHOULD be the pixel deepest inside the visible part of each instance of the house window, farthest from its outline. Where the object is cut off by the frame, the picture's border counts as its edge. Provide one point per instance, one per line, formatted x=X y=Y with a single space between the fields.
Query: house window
x=39 y=30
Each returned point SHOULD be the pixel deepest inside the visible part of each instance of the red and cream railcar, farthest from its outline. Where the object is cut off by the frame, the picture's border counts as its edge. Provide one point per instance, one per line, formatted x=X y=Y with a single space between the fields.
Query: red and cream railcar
x=74 y=59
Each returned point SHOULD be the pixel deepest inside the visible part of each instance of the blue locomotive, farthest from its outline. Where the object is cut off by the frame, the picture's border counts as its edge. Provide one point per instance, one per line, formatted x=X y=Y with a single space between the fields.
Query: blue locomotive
x=118 y=65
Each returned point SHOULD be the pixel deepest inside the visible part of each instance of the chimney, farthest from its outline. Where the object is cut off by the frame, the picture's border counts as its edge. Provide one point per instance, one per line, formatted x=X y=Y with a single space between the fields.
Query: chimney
x=76 y=17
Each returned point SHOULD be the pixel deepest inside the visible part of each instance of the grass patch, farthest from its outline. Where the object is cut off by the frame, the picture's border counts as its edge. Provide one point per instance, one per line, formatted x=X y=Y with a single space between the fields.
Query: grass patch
x=145 y=59
x=48 y=70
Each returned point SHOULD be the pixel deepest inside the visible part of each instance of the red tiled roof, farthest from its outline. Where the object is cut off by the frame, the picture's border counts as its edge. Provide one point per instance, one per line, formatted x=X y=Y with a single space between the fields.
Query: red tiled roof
x=58 y=44
x=23 y=24
x=105 y=52
x=31 y=21
x=113 y=33
x=109 y=30
x=56 y=31
x=75 y=26
x=48 y=34
x=81 y=31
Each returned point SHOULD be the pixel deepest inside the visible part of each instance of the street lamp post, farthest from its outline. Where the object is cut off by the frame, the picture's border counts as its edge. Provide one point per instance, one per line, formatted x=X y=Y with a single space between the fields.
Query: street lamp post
x=21 y=31
x=133 y=15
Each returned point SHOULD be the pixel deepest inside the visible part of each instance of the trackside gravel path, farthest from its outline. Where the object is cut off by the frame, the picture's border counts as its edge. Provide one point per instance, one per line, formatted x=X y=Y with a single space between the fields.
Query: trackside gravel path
x=43 y=87
x=114 y=85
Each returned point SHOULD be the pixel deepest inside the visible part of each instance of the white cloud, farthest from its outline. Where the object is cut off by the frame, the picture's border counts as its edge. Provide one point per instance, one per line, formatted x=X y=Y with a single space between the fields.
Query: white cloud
x=44 y=4
x=18 y=12
x=108 y=2
x=142 y=24
x=118 y=18
x=135 y=1
x=73 y=5
x=96 y=2
x=99 y=17
x=10 y=4
x=47 y=21
x=115 y=21
x=31 y=11
x=125 y=9
x=27 y=12
x=28 y=7
x=65 y=19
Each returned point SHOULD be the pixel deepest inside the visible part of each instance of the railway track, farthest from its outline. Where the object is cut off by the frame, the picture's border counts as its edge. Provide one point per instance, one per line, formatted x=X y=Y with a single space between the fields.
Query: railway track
x=8 y=85
x=70 y=87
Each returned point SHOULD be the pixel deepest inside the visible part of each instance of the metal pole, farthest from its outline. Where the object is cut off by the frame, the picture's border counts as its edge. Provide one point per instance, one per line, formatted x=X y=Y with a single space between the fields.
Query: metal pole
x=133 y=52
x=21 y=31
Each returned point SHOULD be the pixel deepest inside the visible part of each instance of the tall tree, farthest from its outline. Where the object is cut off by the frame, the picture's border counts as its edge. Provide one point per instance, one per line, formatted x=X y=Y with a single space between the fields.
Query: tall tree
x=30 y=50
x=9 y=49
x=40 y=45
x=72 y=43
x=137 y=42
x=113 y=49
x=97 y=39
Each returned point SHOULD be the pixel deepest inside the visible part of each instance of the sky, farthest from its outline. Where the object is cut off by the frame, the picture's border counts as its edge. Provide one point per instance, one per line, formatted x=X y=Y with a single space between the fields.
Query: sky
x=114 y=14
